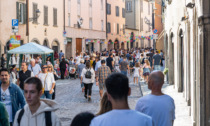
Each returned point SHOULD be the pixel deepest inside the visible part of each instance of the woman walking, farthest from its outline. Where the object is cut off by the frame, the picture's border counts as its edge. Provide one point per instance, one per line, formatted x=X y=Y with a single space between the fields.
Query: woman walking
x=48 y=82
x=88 y=78
x=51 y=70
x=146 y=69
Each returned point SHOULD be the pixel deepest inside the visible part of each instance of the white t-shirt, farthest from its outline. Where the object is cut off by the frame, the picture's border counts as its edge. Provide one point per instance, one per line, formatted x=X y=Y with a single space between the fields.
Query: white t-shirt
x=86 y=80
x=6 y=99
x=122 y=118
x=160 y=108
x=78 y=60
x=48 y=82
x=36 y=69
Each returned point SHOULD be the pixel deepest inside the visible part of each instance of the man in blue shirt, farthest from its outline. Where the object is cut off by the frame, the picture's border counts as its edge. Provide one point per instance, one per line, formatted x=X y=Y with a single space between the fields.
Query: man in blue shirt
x=11 y=95
x=61 y=54
x=157 y=105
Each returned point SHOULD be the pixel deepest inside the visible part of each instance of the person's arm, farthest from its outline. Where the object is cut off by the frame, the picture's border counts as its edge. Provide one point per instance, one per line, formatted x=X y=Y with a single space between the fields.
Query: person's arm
x=18 y=80
x=21 y=98
x=128 y=68
x=153 y=63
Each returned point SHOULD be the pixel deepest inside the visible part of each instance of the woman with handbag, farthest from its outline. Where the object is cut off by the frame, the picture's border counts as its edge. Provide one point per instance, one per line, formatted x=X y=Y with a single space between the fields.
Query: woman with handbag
x=48 y=82
x=51 y=70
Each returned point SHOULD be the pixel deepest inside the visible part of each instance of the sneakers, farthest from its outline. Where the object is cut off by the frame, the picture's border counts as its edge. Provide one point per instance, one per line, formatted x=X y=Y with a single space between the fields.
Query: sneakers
x=89 y=98
x=85 y=96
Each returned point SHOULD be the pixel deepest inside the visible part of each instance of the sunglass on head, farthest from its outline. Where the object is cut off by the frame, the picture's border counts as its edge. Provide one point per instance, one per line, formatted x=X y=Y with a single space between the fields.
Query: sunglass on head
x=44 y=67
x=49 y=66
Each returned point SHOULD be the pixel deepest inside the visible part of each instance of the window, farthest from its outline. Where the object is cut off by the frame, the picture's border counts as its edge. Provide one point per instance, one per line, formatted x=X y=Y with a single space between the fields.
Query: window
x=129 y=6
x=54 y=17
x=141 y=4
x=102 y=4
x=45 y=15
x=21 y=12
x=123 y=28
x=123 y=12
x=69 y=20
x=90 y=23
x=90 y=3
x=108 y=30
x=118 y=29
x=148 y=8
x=102 y=25
x=141 y=25
x=108 y=9
x=117 y=11
x=69 y=6
x=78 y=1
x=35 y=15
x=78 y=9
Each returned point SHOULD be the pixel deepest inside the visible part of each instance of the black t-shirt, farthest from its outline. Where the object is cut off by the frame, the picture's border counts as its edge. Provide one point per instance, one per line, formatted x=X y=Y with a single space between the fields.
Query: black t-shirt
x=109 y=62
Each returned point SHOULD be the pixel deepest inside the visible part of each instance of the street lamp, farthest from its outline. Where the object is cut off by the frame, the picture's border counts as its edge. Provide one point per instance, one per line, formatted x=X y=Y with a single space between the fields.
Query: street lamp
x=190 y=5
x=34 y=18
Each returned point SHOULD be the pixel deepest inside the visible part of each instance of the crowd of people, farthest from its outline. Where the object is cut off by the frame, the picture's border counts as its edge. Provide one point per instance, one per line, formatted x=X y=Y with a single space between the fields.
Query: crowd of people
x=27 y=95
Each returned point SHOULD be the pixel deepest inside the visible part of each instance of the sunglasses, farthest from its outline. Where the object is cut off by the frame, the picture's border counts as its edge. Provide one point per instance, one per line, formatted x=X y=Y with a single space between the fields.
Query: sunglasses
x=3 y=96
x=44 y=67
x=49 y=67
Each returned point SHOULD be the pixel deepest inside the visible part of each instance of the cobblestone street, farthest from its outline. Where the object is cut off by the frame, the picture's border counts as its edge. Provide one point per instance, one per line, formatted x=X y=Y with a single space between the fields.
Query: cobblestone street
x=72 y=101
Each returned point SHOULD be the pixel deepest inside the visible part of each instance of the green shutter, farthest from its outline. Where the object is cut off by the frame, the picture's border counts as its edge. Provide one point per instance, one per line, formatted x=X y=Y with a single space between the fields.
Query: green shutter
x=24 y=13
x=17 y=11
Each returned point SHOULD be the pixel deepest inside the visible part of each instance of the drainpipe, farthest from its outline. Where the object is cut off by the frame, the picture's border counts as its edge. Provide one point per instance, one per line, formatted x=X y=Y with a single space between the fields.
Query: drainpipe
x=27 y=21
x=106 y=19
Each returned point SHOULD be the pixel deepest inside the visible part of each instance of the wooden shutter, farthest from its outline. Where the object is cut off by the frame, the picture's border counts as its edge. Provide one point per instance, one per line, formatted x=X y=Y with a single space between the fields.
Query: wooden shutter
x=17 y=11
x=110 y=9
x=24 y=13
x=45 y=15
x=55 y=17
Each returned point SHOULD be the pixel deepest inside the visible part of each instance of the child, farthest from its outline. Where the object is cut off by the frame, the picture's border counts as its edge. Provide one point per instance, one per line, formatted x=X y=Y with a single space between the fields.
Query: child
x=137 y=71
x=146 y=69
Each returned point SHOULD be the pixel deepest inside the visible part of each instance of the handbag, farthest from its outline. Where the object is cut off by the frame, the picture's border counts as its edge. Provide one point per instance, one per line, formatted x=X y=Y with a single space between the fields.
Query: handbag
x=44 y=84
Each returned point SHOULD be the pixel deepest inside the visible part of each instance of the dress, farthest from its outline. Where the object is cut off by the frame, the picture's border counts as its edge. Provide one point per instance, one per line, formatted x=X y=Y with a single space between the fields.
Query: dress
x=136 y=72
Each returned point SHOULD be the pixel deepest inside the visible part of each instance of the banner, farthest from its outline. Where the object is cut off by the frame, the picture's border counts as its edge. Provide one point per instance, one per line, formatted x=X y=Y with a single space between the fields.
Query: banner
x=14 y=41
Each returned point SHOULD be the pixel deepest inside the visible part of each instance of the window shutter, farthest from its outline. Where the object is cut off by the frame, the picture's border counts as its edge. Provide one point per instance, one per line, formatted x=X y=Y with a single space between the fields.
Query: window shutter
x=24 y=13
x=110 y=9
x=17 y=11
x=47 y=15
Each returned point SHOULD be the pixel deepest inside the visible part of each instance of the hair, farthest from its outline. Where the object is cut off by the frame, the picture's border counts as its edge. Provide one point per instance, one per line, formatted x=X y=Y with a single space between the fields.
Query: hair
x=2 y=55
x=32 y=60
x=124 y=57
x=142 y=54
x=4 y=70
x=25 y=63
x=36 y=81
x=103 y=61
x=88 y=65
x=82 y=119
x=156 y=51
x=105 y=105
x=52 y=69
x=117 y=86
x=147 y=61
x=137 y=64
x=147 y=54
x=110 y=54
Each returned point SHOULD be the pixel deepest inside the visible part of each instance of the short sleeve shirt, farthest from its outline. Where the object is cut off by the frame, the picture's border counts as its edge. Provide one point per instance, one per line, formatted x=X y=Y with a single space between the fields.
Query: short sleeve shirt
x=123 y=65
x=157 y=59
x=109 y=62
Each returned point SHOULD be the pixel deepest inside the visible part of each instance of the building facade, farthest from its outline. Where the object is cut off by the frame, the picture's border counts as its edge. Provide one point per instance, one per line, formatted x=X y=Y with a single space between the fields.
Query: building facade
x=116 y=24
x=187 y=36
x=85 y=25
x=44 y=25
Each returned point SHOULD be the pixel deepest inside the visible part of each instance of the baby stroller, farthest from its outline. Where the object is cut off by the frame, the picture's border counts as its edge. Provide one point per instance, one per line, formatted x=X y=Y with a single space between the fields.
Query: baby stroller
x=72 y=72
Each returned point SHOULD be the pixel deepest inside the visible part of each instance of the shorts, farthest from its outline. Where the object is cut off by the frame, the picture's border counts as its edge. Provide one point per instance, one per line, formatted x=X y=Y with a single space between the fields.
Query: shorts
x=102 y=86
x=146 y=74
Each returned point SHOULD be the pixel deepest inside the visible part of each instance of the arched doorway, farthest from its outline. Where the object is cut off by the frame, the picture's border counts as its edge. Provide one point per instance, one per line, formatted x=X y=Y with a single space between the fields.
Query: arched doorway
x=55 y=46
x=122 y=45
x=110 y=44
x=46 y=43
x=137 y=45
x=171 y=58
x=35 y=40
x=181 y=61
x=116 y=44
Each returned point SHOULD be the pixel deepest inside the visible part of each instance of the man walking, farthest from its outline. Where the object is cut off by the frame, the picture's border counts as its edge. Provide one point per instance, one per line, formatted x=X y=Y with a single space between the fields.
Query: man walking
x=158 y=105
x=101 y=75
x=124 y=66
x=63 y=64
x=11 y=95
x=156 y=61
x=117 y=92
x=35 y=68
x=61 y=54
x=110 y=62
x=36 y=111
x=23 y=75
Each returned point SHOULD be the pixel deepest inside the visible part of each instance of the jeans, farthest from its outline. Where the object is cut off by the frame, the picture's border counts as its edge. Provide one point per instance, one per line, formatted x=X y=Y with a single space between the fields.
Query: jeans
x=62 y=73
x=124 y=72
x=88 y=87
x=47 y=95
x=157 y=67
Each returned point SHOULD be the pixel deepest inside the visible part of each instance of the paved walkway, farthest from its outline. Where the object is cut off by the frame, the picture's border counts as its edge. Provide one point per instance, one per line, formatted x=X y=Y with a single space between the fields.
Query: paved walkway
x=72 y=101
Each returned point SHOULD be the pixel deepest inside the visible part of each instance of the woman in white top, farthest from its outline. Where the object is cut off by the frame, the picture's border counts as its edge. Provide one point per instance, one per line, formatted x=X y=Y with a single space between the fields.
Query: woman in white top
x=48 y=82
x=117 y=58
x=88 y=78
x=51 y=70
x=13 y=74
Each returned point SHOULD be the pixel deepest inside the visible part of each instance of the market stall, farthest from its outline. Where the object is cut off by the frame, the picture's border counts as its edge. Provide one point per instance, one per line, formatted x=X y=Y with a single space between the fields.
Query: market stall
x=31 y=48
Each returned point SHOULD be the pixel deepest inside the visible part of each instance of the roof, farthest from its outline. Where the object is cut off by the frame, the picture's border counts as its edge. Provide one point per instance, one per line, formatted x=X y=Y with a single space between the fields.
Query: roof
x=31 y=48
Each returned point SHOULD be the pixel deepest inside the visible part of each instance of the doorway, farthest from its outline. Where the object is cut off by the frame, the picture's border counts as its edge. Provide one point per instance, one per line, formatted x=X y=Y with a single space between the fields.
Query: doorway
x=78 y=45
x=181 y=59
x=69 y=50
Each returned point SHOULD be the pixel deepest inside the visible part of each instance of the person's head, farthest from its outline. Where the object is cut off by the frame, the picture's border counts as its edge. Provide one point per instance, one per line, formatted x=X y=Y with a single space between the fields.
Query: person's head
x=81 y=61
x=147 y=62
x=32 y=62
x=75 y=60
x=142 y=55
x=63 y=59
x=61 y=50
x=32 y=90
x=117 y=86
x=87 y=64
x=156 y=52
x=44 y=68
x=156 y=80
x=130 y=58
x=137 y=64
x=103 y=62
x=2 y=55
x=4 y=76
x=71 y=58
x=24 y=66
x=82 y=119
x=161 y=50
x=124 y=58
x=147 y=54
x=105 y=105
x=13 y=67
x=111 y=55
x=50 y=68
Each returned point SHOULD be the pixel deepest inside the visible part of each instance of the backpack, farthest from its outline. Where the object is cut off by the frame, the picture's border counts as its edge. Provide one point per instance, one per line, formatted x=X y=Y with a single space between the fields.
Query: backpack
x=88 y=74
x=131 y=64
x=48 y=120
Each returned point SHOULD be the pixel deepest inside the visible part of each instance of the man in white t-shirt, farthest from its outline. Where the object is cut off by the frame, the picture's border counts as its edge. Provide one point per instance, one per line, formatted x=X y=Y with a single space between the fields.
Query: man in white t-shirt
x=78 y=58
x=118 y=90
x=35 y=68
x=157 y=105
